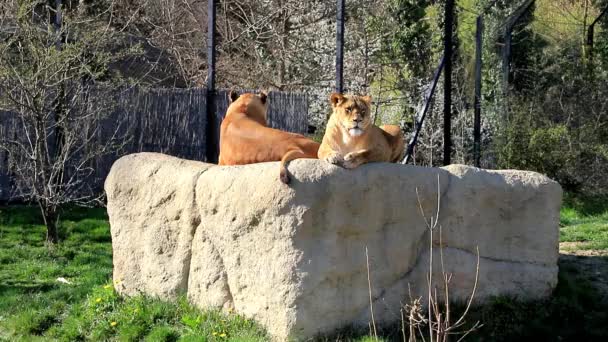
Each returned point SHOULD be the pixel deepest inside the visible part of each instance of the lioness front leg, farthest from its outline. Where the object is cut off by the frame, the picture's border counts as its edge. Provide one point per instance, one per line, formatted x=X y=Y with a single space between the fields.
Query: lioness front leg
x=354 y=159
x=334 y=158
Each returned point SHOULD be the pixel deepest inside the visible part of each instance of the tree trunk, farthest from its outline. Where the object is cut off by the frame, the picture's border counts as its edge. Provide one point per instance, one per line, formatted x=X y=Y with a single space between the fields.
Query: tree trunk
x=49 y=214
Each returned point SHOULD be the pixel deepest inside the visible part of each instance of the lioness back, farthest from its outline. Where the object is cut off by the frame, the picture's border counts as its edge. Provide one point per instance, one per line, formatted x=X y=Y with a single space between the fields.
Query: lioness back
x=351 y=139
x=245 y=138
x=394 y=136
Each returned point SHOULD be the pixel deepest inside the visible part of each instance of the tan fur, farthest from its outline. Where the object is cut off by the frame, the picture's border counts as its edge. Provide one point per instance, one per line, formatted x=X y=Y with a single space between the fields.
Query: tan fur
x=366 y=143
x=245 y=139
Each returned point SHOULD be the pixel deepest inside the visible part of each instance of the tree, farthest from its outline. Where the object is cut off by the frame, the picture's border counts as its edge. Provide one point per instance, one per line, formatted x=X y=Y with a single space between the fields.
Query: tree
x=50 y=77
x=404 y=54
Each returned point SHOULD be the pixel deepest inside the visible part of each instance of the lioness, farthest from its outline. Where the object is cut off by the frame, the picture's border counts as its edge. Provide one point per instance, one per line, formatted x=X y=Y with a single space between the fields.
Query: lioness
x=351 y=139
x=245 y=138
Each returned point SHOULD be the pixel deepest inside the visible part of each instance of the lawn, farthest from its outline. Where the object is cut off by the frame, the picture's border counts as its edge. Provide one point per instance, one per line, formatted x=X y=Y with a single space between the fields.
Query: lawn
x=584 y=222
x=36 y=303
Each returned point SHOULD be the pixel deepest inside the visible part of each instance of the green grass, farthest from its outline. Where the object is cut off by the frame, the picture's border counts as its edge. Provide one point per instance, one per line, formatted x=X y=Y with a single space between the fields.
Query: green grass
x=585 y=219
x=35 y=306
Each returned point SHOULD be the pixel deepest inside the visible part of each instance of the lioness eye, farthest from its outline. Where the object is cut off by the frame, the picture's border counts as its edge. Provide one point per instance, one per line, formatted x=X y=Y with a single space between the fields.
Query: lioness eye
x=348 y=110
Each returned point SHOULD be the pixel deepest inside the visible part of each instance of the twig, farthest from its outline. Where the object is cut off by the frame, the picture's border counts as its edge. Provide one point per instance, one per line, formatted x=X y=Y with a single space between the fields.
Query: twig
x=371 y=303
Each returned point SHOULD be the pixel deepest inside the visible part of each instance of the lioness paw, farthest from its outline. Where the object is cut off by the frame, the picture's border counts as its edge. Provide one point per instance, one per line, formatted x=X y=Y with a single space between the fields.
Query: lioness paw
x=351 y=160
x=335 y=158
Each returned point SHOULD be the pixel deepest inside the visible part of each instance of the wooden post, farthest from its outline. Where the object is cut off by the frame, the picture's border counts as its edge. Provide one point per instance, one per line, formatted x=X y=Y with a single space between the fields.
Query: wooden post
x=447 y=84
x=340 y=47
x=478 y=66
x=212 y=140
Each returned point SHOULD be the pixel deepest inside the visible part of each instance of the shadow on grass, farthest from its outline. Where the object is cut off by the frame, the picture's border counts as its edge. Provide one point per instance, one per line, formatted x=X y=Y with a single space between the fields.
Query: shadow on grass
x=576 y=311
x=25 y=287
x=31 y=215
x=587 y=205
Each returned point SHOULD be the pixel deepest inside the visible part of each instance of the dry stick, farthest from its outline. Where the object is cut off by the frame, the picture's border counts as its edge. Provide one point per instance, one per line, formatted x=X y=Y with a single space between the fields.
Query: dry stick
x=441 y=326
x=429 y=277
x=430 y=282
x=371 y=304
x=431 y=226
x=403 y=324
x=414 y=317
x=446 y=281
x=472 y=293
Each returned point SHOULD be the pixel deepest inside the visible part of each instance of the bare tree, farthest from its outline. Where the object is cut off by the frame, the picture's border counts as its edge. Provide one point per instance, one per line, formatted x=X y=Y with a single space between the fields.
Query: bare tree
x=50 y=76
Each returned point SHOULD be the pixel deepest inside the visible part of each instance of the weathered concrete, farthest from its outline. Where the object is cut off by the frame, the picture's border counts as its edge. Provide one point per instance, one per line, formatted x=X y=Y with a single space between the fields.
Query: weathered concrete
x=293 y=257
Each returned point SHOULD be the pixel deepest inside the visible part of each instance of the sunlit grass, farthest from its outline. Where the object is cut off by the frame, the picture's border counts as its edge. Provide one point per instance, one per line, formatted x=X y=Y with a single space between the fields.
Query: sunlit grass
x=586 y=221
x=35 y=305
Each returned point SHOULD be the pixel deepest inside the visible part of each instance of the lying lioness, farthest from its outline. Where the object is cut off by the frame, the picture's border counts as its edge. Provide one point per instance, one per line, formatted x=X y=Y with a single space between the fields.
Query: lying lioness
x=351 y=139
x=245 y=138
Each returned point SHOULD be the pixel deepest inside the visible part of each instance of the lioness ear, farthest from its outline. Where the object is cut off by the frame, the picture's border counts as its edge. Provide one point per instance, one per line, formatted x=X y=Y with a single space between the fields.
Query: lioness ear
x=263 y=97
x=335 y=99
x=233 y=96
x=367 y=99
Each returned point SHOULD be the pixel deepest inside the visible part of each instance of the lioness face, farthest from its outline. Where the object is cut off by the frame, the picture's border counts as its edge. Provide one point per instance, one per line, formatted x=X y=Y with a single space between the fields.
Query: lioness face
x=352 y=112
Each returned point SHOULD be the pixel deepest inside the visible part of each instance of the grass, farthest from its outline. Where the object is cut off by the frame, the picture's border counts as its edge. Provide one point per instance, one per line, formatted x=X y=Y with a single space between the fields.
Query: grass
x=35 y=306
x=585 y=220
x=572 y=313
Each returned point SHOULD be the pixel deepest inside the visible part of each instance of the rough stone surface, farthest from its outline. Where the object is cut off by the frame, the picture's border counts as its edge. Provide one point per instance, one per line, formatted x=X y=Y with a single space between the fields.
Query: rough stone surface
x=294 y=257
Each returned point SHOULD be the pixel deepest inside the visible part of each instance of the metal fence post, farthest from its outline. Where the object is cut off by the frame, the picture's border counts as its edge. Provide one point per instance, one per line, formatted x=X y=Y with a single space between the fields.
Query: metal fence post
x=447 y=86
x=506 y=56
x=590 y=34
x=56 y=20
x=422 y=115
x=478 y=84
x=340 y=47
x=212 y=141
x=478 y=66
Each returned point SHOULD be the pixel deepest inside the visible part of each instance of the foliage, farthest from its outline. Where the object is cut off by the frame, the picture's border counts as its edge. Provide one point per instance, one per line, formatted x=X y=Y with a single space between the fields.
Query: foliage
x=405 y=38
x=559 y=127
x=552 y=118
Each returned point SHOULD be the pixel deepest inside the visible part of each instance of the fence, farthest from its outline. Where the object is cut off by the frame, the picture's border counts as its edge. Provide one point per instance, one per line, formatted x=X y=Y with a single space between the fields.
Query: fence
x=170 y=121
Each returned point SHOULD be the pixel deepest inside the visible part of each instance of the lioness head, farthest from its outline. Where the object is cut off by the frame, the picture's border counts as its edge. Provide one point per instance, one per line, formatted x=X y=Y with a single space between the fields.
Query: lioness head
x=352 y=112
x=254 y=105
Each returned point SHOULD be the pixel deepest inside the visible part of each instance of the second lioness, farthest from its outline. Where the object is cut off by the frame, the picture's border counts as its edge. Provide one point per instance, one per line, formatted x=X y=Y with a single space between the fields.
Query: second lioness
x=245 y=138
x=351 y=139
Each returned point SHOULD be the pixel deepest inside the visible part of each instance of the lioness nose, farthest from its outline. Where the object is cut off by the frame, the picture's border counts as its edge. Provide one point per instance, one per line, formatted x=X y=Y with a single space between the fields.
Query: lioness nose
x=357 y=119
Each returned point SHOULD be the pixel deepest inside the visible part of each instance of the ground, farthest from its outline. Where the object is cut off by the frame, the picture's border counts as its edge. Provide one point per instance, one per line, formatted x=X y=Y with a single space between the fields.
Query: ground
x=65 y=292
x=584 y=239
x=592 y=264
